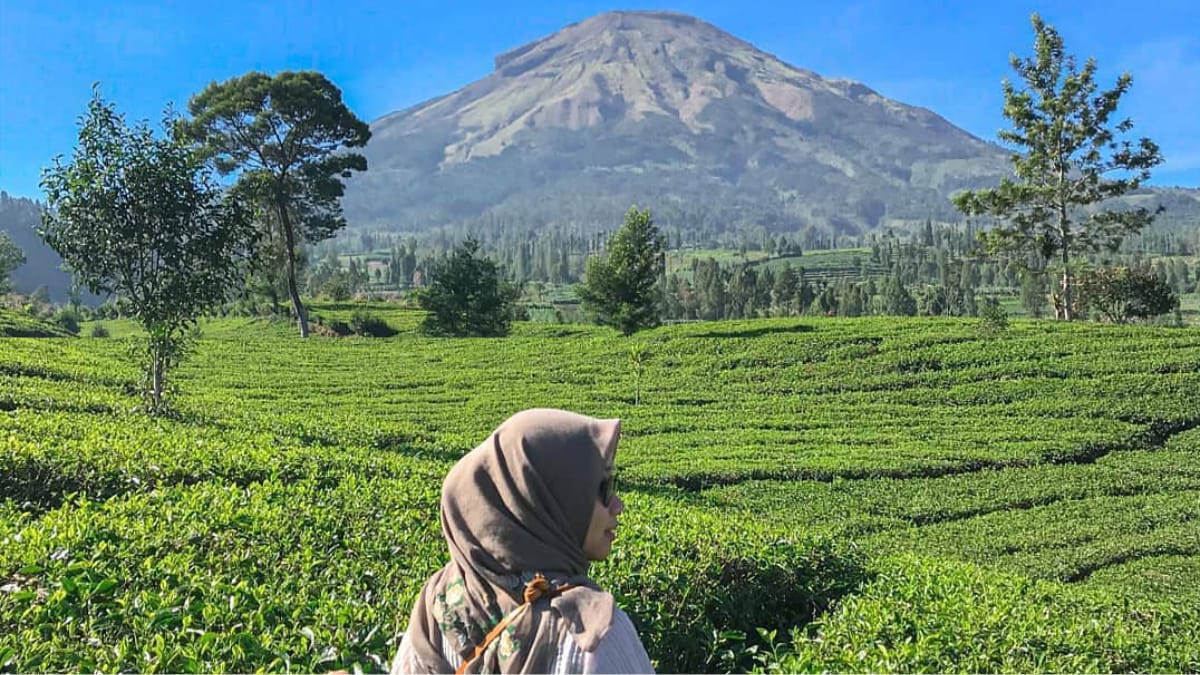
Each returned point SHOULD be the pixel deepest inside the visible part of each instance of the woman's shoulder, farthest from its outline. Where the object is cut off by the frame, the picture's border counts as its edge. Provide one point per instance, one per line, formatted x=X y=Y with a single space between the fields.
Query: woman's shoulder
x=622 y=624
x=621 y=650
x=622 y=633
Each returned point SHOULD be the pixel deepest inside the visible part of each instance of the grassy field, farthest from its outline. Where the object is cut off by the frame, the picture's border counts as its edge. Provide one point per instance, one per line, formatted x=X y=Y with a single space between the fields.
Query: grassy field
x=681 y=259
x=875 y=494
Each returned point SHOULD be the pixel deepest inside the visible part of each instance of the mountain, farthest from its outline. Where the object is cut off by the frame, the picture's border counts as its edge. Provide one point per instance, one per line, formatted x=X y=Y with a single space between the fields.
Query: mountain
x=666 y=111
x=19 y=217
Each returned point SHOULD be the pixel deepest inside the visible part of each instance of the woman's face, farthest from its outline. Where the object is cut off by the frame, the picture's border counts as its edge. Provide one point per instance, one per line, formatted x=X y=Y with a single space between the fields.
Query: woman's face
x=603 y=528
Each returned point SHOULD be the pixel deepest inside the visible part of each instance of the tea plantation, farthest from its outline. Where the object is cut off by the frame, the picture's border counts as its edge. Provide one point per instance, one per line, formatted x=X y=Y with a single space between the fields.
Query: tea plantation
x=873 y=494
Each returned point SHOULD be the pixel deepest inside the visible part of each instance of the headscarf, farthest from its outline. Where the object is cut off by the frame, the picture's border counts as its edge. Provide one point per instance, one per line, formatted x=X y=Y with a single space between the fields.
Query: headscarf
x=517 y=505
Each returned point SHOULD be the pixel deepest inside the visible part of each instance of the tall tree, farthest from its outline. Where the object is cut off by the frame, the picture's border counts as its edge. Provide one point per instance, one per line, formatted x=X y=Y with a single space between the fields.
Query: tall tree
x=897 y=301
x=285 y=137
x=145 y=218
x=11 y=257
x=1068 y=147
x=783 y=292
x=742 y=286
x=620 y=291
x=710 y=289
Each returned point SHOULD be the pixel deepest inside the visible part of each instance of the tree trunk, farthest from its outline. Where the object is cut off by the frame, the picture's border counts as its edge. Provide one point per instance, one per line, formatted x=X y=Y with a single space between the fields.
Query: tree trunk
x=273 y=284
x=1064 y=240
x=1066 y=286
x=290 y=240
x=158 y=376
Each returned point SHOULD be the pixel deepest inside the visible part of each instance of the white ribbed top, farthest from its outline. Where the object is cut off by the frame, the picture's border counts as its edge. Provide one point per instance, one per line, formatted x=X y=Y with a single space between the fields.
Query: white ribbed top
x=620 y=651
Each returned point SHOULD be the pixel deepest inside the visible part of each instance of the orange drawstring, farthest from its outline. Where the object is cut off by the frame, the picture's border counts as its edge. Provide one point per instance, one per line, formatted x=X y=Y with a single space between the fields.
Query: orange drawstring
x=536 y=588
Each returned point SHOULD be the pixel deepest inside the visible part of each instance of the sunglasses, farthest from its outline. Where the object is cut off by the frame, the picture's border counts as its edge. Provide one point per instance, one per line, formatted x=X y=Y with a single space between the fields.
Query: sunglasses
x=608 y=489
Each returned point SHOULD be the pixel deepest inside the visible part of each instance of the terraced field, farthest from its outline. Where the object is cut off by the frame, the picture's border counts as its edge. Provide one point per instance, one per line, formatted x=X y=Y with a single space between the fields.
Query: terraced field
x=884 y=494
x=829 y=265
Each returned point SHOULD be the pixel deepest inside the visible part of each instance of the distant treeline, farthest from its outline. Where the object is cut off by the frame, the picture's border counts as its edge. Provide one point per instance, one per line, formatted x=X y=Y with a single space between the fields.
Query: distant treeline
x=933 y=264
x=926 y=254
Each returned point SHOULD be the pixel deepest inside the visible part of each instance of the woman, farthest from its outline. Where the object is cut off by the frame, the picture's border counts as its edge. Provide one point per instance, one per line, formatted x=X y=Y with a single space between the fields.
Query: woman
x=524 y=514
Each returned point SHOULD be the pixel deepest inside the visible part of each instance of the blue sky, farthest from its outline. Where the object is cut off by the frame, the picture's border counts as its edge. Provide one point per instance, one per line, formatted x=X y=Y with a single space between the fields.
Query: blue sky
x=945 y=55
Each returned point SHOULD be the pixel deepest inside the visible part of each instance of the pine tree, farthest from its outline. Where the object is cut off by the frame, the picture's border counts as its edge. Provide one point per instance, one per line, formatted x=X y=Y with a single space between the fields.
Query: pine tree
x=897 y=300
x=1066 y=148
x=620 y=291
x=467 y=296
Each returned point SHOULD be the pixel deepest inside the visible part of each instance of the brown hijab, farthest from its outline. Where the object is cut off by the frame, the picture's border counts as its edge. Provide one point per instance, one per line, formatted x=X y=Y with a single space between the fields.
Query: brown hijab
x=517 y=505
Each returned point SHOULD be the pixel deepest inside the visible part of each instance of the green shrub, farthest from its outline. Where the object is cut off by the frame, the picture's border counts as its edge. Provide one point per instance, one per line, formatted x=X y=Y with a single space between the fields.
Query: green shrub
x=17 y=324
x=697 y=586
x=99 y=330
x=994 y=318
x=366 y=324
x=927 y=615
x=68 y=319
x=1123 y=294
x=219 y=578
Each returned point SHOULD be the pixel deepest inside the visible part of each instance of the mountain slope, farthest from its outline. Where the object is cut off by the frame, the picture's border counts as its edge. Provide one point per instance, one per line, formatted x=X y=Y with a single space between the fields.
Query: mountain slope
x=665 y=110
x=19 y=217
